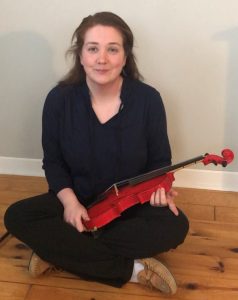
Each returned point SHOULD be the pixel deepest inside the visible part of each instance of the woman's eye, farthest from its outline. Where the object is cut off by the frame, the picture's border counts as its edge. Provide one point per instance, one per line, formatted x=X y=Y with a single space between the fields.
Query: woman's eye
x=92 y=49
x=113 y=50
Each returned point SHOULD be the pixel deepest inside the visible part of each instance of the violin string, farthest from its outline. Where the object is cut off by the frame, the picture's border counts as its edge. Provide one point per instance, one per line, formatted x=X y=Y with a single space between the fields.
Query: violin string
x=147 y=176
x=159 y=172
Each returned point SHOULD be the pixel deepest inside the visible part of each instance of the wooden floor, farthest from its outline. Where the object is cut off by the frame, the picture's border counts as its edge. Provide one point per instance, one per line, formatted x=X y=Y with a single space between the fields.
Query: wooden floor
x=205 y=266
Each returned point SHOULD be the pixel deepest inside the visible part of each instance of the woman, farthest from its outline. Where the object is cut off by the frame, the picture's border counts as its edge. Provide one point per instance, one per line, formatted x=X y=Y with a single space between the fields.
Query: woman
x=101 y=124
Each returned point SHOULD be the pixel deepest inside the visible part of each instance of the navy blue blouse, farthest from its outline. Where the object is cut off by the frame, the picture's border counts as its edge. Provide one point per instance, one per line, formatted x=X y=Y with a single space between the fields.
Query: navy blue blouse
x=87 y=156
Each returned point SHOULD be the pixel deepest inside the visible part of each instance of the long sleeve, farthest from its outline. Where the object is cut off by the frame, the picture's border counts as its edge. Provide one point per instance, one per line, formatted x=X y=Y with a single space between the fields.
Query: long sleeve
x=159 y=152
x=56 y=170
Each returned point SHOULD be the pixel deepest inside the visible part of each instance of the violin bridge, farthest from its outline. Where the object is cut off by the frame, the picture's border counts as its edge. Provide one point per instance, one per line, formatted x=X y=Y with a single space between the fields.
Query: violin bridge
x=116 y=189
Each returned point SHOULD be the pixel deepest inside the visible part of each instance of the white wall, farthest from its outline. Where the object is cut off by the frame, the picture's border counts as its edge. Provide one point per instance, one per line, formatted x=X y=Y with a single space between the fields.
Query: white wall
x=187 y=49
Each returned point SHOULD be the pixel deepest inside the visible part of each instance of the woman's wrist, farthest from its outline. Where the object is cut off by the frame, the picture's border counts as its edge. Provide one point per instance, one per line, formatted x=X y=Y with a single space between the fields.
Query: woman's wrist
x=67 y=197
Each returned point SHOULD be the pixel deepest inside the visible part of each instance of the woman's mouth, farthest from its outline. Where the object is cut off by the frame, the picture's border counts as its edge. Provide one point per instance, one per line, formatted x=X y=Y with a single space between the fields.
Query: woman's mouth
x=101 y=71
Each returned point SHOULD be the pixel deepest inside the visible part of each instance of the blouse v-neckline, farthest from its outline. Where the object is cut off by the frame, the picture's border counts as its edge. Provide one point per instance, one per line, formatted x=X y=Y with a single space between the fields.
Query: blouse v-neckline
x=110 y=119
x=114 y=116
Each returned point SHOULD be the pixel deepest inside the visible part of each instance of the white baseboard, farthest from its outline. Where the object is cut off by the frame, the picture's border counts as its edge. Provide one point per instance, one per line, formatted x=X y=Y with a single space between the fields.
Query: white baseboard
x=207 y=179
x=189 y=178
x=21 y=166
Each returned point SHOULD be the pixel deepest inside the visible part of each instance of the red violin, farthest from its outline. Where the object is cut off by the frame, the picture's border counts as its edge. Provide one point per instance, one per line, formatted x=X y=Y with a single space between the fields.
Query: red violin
x=127 y=193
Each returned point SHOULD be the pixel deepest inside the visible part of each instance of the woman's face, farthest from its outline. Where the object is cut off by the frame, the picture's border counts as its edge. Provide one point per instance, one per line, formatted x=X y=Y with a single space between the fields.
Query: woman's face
x=103 y=56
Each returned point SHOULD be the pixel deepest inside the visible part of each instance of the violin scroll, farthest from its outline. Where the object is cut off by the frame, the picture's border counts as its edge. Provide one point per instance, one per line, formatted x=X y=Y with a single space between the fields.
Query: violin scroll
x=226 y=158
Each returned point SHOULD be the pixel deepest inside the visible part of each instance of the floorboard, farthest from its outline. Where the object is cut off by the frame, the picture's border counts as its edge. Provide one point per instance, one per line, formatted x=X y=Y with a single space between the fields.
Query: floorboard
x=13 y=291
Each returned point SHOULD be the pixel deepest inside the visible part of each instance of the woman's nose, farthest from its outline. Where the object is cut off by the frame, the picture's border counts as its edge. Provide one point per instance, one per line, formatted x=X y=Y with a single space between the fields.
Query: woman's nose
x=102 y=57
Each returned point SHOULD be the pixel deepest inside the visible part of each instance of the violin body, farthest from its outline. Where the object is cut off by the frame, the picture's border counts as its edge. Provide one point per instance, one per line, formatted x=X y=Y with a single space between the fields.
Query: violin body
x=115 y=203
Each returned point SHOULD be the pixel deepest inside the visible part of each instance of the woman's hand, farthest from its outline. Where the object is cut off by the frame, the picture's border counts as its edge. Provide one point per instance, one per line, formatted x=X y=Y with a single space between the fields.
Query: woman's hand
x=161 y=198
x=74 y=214
x=74 y=211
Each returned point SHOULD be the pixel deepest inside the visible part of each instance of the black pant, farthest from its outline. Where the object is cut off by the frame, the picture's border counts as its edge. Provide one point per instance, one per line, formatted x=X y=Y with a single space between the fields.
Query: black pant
x=142 y=231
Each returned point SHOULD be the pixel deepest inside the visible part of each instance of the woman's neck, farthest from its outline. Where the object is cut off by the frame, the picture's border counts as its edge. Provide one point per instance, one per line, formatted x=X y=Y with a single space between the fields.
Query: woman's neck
x=106 y=92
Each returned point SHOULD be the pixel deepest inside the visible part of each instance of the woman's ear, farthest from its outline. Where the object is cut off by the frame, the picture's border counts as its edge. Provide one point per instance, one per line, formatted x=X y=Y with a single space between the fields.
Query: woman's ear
x=80 y=59
x=125 y=61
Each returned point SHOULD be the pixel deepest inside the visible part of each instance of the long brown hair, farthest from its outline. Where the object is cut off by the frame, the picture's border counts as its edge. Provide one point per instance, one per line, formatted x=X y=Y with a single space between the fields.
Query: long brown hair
x=77 y=73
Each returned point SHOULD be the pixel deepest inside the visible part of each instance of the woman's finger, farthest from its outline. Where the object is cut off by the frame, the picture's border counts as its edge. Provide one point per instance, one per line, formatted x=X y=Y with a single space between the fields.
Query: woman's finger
x=163 y=198
x=152 y=199
x=172 y=206
x=160 y=198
